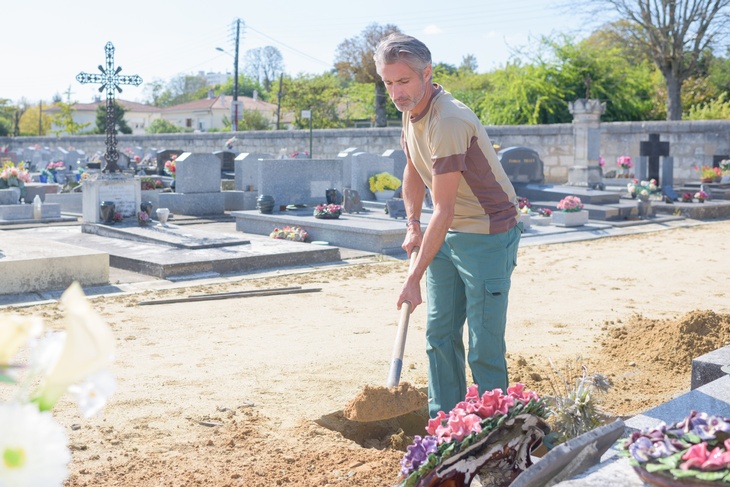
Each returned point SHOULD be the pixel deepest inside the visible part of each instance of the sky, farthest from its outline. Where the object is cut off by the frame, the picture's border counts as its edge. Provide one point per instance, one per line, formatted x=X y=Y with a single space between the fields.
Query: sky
x=46 y=43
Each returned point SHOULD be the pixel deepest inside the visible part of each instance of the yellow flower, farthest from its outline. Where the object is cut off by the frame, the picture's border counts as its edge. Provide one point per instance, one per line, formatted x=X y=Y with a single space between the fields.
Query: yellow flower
x=384 y=181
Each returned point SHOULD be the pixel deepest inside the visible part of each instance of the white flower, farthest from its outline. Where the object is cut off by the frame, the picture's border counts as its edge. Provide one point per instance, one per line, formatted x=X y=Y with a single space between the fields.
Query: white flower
x=16 y=331
x=92 y=395
x=33 y=449
x=88 y=347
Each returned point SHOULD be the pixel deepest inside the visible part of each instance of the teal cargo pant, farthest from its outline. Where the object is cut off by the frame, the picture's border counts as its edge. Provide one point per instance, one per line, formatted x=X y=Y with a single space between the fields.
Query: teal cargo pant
x=468 y=280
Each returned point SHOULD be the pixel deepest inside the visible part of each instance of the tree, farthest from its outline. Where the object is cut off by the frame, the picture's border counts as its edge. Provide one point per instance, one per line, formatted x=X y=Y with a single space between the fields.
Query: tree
x=181 y=89
x=354 y=60
x=28 y=124
x=677 y=33
x=65 y=119
x=322 y=94
x=7 y=117
x=120 y=123
x=162 y=126
x=264 y=64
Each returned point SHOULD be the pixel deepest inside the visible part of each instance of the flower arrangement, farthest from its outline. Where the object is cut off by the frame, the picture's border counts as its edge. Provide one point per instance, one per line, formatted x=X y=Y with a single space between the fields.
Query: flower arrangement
x=686 y=197
x=54 y=167
x=708 y=174
x=642 y=189
x=330 y=211
x=544 y=211
x=302 y=154
x=701 y=196
x=33 y=445
x=725 y=166
x=383 y=182
x=296 y=234
x=524 y=205
x=570 y=204
x=601 y=161
x=468 y=423
x=149 y=184
x=117 y=217
x=695 y=448
x=171 y=167
x=14 y=176
x=143 y=218
x=624 y=162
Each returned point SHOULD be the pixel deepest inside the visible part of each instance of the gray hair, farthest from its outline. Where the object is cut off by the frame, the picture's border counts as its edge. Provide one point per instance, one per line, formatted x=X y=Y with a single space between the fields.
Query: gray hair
x=400 y=47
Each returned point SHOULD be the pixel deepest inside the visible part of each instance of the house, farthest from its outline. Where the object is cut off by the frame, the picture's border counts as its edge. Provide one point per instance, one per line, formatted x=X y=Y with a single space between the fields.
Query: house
x=199 y=115
x=209 y=113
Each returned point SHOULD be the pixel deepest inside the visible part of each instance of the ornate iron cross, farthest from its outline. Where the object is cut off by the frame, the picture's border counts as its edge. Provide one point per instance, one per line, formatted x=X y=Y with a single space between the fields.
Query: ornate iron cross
x=110 y=80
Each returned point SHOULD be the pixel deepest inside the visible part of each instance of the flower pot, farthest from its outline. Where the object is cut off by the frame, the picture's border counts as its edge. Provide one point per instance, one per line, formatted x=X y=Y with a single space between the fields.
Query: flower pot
x=43 y=178
x=265 y=204
x=539 y=220
x=384 y=195
x=570 y=218
x=162 y=215
x=526 y=220
x=333 y=197
x=107 y=212
x=146 y=206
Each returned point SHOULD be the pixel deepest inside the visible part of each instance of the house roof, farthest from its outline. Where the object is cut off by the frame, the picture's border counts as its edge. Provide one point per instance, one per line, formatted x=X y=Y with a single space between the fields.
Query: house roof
x=221 y=102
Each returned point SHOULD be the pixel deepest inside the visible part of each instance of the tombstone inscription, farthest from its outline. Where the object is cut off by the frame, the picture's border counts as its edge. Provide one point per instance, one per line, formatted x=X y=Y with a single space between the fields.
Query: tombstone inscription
x=522 y=165
x=110 y=80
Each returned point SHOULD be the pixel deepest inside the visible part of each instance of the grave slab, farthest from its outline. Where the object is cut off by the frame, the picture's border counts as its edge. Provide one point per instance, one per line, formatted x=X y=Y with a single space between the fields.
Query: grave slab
x=29 y=264
x=166 y=234
x=169 y=262
x=707 y=368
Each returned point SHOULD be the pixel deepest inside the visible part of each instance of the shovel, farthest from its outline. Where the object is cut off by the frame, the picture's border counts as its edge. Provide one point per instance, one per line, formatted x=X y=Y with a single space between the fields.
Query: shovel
x=382 y=403
x=396 y=361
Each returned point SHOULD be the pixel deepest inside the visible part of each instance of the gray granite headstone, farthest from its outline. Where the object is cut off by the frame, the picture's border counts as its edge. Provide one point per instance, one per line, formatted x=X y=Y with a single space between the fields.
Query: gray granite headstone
x=246 y=170
x=197 y=173
x=399 y=161
x=522 y=165
x=365 y=165
x=227 y=162
x=396 y=208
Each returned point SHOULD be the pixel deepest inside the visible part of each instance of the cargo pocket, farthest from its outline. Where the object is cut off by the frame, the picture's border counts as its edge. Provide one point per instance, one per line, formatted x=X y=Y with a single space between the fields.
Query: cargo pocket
x=496 y=292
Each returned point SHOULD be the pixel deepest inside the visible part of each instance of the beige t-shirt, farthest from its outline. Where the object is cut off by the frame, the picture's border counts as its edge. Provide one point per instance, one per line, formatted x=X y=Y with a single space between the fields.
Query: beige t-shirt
x=449 y=137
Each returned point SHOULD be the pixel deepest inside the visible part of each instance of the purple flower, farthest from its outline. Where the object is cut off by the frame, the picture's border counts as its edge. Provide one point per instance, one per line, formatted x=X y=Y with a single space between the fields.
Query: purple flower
x=418 y=453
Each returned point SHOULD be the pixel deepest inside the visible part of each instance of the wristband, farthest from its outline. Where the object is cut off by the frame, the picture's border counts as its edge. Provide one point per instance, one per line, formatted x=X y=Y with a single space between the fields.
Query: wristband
x=413 y=220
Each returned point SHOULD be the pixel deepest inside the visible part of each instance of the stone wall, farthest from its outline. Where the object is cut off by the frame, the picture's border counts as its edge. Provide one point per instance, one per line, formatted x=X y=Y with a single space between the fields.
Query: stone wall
x=692 y=143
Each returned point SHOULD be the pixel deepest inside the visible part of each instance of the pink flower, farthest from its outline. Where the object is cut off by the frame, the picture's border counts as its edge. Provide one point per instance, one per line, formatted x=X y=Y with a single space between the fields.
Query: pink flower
x=462 y=424
x=518 y=392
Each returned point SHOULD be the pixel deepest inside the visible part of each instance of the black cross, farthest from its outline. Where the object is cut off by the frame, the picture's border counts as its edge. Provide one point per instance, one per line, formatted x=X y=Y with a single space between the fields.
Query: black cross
x=110 y=79
x=654 y=149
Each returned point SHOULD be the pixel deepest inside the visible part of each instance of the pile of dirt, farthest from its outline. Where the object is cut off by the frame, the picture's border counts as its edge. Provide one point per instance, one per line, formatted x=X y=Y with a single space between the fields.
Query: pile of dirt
x=648 y=361
x=379 y=403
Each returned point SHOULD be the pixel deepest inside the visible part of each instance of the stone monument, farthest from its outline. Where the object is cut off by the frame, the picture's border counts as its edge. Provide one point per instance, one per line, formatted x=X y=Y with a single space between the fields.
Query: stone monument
x=586 y=170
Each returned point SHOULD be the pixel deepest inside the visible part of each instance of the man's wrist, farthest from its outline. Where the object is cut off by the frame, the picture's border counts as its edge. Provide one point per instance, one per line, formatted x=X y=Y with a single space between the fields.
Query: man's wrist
x=413 y=220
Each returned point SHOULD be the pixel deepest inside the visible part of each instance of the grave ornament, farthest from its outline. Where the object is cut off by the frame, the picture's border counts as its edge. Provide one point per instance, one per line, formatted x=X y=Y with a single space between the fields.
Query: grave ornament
x=110 y=79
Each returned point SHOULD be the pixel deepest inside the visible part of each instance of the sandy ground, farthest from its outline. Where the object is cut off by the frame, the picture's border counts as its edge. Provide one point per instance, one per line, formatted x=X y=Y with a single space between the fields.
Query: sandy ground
x=249 y=391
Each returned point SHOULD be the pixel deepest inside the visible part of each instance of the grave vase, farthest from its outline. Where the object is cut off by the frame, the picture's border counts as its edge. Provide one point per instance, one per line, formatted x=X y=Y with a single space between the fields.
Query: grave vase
x=265 y=204
x=107 y=212
x=384 y=195
x=570 y=218
x=162 y=215
x=146 y=206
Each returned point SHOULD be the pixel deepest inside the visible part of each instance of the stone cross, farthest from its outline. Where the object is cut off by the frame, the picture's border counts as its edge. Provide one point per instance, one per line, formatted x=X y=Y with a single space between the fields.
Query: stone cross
x=653 y=149
x=110 y=80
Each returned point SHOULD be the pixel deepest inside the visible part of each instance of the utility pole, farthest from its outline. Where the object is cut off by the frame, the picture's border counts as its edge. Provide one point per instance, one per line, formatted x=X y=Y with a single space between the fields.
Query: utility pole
x=40 y=118
x=235 y=74
x=278 y=104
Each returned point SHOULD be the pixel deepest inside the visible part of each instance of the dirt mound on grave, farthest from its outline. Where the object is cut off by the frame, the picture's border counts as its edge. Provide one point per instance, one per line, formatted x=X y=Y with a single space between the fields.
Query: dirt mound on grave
x=673 y=343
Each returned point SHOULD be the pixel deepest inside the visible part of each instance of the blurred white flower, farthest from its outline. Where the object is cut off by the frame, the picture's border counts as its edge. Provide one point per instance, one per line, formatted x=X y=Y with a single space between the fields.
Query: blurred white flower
x=33 y=448
x=92 y=395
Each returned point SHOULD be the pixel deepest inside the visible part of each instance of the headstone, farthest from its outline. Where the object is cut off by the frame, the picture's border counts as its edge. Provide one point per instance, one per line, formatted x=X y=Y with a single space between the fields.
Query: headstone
x=123 y=161
x=60 y=155
x=670 y=194
x=163 y=156
x=351 y=201
x=396 y=208
x=365 y=165
x=298 y=181
x=522 y=165
x=346 y=157
x=586 y=170
x=652 y=149
x=124 y=192
x=197 y=173
x=399 y=161
x=227 y=159
x=246 y=170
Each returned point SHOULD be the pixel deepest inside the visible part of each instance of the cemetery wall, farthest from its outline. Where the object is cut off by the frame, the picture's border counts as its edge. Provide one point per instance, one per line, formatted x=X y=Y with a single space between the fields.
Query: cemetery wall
x=692 y=143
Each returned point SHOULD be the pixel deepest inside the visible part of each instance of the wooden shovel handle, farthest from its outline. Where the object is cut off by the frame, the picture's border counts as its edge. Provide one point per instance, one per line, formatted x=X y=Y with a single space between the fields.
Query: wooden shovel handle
x=396 y=361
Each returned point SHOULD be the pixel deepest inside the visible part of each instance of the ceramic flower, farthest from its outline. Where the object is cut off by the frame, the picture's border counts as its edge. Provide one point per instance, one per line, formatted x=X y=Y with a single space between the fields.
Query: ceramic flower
x=384 y=182
x=624 y=162
x=32 y=447
x=570 y=203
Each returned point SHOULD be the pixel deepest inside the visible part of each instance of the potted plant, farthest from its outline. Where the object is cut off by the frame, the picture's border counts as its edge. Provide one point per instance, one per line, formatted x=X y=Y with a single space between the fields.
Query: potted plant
x=624 y=162
x=13 y=177
x=525 y=211
x=687 y=197
x=542 y=216
x=383 y=185
x=327 y=212
x=709 y=174
x=701 y=196
x=642 y=189
x=571 y=213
